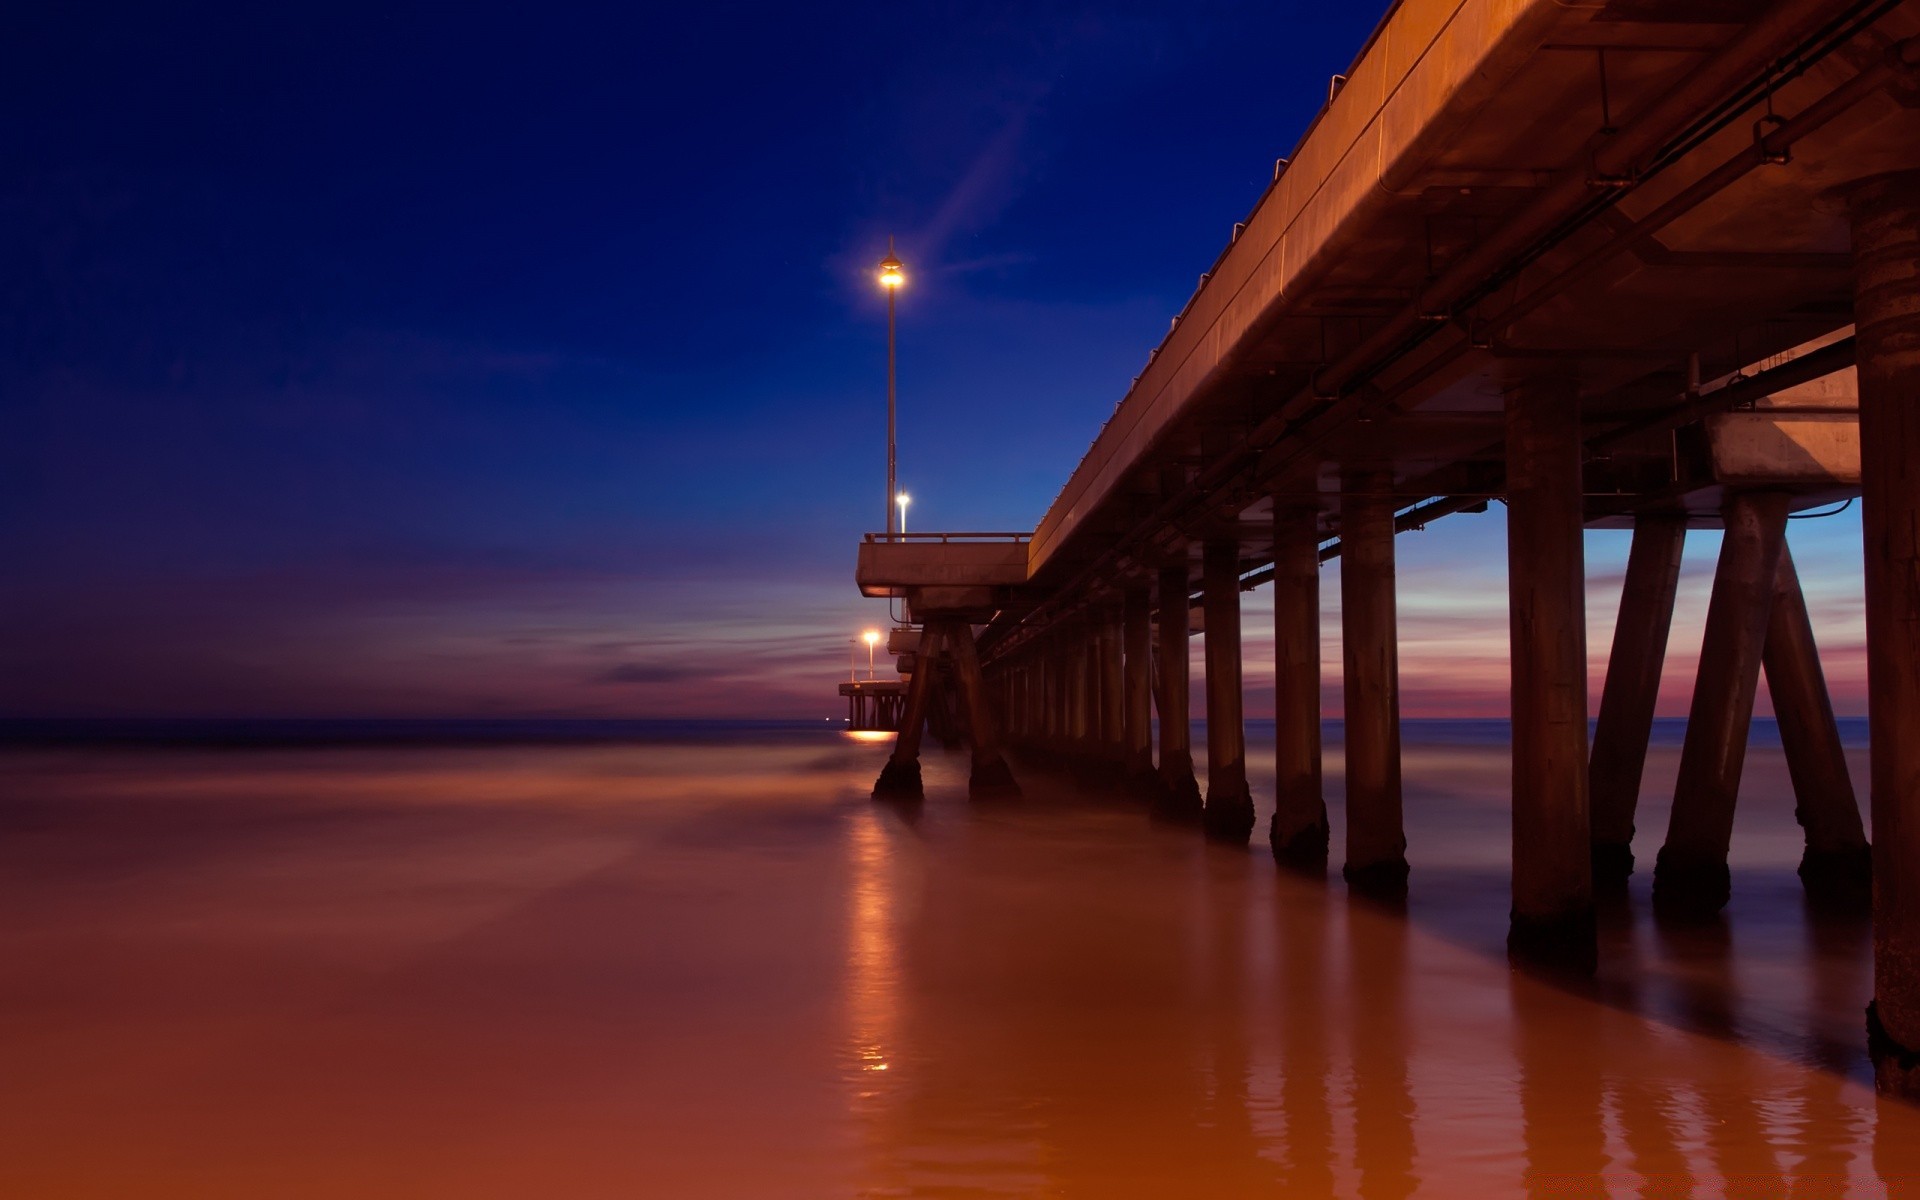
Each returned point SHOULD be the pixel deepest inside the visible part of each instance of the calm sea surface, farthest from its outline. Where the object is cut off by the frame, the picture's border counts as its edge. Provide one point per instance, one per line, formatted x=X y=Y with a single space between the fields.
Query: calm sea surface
x=696 y=961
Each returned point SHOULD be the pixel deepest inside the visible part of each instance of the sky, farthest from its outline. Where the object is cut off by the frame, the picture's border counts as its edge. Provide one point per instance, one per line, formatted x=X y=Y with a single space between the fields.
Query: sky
x=526 y=360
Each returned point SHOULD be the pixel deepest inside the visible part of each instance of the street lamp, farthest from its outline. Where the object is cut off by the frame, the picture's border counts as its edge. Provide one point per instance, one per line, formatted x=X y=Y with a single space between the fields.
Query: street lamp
x=904 y=499
x=853 y=671
x=892 y=275
x=871 y=637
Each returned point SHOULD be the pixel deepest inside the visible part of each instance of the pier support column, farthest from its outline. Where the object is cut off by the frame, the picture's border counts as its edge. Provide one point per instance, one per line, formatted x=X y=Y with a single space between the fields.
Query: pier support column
x=1547 y=620
x=1620 y=736
x=1078 y=702
x=900 y=778
x=1059 y=702
x=1089 y=691
x=1040 y=720
x=1228 y=814
x=1137 y=634
x=1179 y=798
x=1113 y=700
x=1299 y=830
x=990 y=775
x=1837 y=865
x=1376 y=839
x=1690 y=876
x=1885 y=216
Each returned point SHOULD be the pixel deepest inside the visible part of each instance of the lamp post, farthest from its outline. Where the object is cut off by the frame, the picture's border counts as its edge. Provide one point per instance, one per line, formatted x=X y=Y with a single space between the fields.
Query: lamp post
x=853 y=650
x=903 y=498
x=871 y=637
x=891 y=277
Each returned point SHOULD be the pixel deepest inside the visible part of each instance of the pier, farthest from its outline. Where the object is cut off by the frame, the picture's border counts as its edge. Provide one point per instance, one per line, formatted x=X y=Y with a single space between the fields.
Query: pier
x=1612 y=265
x=874 y=703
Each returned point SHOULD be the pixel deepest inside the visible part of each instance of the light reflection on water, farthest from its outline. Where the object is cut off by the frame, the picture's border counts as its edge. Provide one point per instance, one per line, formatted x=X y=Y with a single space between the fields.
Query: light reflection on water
x=719 y=970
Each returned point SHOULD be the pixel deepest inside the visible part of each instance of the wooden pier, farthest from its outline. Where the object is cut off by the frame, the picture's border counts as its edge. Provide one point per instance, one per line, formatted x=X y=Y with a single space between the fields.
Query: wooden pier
x=874 y=703
x=1610 y=264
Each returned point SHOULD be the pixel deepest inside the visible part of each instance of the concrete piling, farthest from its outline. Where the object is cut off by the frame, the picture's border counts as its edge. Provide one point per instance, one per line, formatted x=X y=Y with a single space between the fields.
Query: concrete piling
x=1137 y=664
x=1837 y=865
x=1690 y=876
x=1884 y=214
x=1113 y=700
x=1376 y=840
x=1299 y=830
x=1620 y=735
x=900 y=778
x=990 y=775
x=1228 y=812
x=1179 y=798
x=1553 y=918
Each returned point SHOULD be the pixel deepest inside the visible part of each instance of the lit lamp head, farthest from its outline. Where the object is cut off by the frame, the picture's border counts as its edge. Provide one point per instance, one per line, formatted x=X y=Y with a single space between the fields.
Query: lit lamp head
x=903 y=500
x=892 y=273
x=870 y=637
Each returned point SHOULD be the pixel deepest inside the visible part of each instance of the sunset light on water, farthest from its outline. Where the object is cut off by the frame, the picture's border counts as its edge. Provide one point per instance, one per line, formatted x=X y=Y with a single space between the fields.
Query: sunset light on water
x=585 y=971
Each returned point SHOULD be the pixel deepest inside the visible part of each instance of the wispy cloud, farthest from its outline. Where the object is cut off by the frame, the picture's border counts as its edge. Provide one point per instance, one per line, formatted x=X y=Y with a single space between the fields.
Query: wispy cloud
x=648 y=673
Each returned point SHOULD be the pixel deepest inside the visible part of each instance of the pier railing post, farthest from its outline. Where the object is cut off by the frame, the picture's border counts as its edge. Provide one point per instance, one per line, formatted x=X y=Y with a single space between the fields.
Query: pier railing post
x=1179 y=797
x=1690 y=876
x=1299 y=830
x=1376 y=837
x=1884 y=213
x=1228 y=815
x=1553 y=919
x=1620 y=735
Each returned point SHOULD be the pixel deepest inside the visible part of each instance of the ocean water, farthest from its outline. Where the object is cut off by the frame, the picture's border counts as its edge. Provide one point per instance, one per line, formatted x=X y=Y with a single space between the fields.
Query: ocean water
x=695 y=960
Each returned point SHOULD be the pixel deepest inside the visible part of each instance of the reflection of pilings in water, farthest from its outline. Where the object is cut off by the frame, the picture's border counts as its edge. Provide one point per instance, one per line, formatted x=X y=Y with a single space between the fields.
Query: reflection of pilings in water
x=1643 y=1106
x=1896 y=1152
x=1560 y=1094
x=1708 y=998
x=1835 y=946
x=1228 y=1146
x=1383 y=1109
x=1644 y=1109
x=1305 y=1061
x=872 y=986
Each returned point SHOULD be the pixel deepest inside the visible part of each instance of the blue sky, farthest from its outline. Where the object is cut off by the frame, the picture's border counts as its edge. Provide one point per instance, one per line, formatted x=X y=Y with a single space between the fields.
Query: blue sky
x=525 y=360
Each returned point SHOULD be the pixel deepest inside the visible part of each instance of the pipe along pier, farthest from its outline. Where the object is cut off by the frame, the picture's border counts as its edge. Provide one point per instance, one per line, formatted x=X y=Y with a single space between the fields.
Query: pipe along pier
x=1612 y=264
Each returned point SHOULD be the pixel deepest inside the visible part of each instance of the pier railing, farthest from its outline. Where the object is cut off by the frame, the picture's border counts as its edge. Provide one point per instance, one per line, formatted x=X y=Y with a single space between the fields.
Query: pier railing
x=948 y=537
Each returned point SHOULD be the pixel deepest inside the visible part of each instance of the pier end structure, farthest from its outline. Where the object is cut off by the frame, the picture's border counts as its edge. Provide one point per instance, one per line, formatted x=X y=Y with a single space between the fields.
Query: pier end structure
x=949 y=582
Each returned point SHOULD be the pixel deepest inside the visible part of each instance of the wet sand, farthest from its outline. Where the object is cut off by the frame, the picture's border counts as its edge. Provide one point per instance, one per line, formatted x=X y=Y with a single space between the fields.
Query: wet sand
x=716 y=969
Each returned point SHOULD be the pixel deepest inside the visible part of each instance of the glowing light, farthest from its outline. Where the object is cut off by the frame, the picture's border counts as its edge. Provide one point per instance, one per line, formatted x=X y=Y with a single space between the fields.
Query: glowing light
x=870 y=637
x=892 y=272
